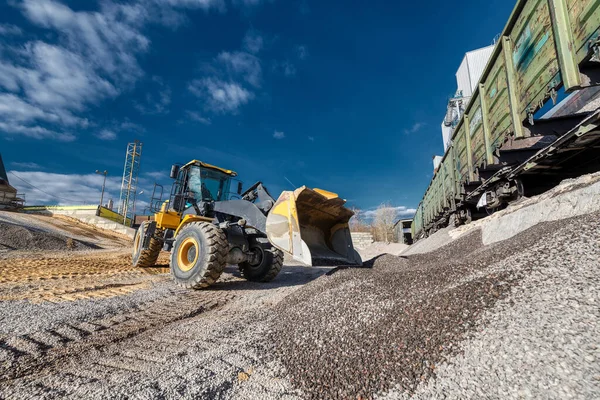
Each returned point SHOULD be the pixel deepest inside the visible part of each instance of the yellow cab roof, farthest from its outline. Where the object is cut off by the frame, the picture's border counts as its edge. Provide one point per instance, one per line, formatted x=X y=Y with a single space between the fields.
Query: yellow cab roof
x=209 y=166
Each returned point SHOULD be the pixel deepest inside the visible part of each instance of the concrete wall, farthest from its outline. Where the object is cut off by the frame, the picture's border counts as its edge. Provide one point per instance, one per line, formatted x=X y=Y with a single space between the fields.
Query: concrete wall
x=86 y=214
x=361 y=240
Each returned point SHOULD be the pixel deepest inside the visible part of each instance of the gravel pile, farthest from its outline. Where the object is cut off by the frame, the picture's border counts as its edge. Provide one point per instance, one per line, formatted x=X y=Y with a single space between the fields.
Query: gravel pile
x=378 y=248
x=14 y=237
x=360 y=332
x=541 y=342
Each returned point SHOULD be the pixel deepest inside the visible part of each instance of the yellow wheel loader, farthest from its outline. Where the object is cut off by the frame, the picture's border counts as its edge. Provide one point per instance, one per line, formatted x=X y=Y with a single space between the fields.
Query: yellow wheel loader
x=205 y=227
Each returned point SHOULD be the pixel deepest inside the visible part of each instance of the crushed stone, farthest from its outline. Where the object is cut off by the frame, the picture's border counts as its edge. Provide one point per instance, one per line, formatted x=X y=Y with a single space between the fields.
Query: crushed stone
x=15 y=237
x=360 y=332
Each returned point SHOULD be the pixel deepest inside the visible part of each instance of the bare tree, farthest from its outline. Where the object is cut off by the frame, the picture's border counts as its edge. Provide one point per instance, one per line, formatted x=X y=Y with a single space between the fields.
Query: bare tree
x=385 y=217
x=357 y=223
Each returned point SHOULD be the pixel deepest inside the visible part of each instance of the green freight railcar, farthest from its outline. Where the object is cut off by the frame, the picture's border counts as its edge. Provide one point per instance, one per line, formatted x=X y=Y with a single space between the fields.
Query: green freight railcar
x=499 y=150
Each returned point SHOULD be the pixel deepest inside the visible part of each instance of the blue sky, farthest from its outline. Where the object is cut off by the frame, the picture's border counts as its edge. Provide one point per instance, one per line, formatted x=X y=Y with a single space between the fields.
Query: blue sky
x=346 y=96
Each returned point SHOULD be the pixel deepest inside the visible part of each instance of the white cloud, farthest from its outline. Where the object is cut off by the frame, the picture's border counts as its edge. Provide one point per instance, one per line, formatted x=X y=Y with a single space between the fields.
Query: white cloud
x=230 y=78
x=61 y=79
x=16 y=110
x=106 y=134
x=311 y=138
x=195 y=116
x=64 y=189
x=205 y=4
x=157 y=175
x=279 y=135
x=50 y=83
x=244 y=65
x=286 y=68
x=289 y=69
x=253 y=42
x=302 y=52
x=35 y=132
x=84 y=58
x=248 y=3
x=26 y=165
x=8 y=29
x=415 y=128
x=220 y=96
x=129 y=126
x=401 y=212
x=107 y=39
x=157 y=103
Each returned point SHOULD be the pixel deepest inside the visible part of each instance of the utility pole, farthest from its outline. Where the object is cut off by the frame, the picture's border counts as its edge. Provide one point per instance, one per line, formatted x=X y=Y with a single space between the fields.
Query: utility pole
x=103 y=185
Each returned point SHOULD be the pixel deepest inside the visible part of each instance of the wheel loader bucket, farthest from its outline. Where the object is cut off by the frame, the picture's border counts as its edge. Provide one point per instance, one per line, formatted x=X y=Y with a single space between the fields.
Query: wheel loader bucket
x=312 y=225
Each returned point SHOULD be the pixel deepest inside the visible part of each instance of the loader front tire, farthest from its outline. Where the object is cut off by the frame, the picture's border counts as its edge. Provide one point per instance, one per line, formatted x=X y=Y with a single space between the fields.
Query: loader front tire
x=145 y=258
x=271 y=262
x=199 y=255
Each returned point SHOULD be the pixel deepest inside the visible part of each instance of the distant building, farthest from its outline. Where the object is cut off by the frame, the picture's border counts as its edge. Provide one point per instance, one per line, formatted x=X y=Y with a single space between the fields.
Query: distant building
x=403 y=231
x=467 y=79
x=9 y=199
x=437 y=160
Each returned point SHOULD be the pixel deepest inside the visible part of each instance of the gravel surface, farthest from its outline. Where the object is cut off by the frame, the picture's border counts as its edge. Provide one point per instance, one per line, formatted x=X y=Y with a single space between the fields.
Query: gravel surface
x=160 y=343
x=377 y=248
x=432 y=243
x=514 y=319
x=542 y=341
x=361 y=332
x=46 y=227
x=14 y=237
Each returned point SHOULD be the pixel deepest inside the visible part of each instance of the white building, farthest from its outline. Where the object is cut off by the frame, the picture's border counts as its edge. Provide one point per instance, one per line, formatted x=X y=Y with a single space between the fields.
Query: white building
x=467 y=80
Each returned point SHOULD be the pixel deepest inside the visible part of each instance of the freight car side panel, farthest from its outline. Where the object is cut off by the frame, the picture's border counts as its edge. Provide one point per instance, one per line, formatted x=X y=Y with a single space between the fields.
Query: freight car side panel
x=449 y=187
x=585 y=19
x=496 y=90
x=534 y=56
x=476 y=132
x=461 y=155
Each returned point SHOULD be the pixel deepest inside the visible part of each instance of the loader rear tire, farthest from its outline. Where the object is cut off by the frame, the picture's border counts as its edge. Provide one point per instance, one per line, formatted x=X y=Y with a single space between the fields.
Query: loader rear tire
x=199 y=255
x=145 y=258
x=271 y=262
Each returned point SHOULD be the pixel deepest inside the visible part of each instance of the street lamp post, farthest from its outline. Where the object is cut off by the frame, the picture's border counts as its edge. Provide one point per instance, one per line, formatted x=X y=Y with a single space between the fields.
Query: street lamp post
x=103 y=185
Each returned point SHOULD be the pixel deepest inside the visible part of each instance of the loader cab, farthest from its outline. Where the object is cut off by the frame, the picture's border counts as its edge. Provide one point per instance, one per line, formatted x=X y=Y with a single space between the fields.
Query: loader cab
x=199 y=182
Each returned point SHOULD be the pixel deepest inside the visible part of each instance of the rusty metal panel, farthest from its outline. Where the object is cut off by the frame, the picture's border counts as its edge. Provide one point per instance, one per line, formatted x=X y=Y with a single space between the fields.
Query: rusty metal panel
x=499 y=119
x=534 y=56
x=585 y=21
x=476 y=132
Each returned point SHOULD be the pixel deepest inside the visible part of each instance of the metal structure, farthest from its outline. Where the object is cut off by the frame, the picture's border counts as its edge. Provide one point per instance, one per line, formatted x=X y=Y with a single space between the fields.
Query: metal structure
x=129 y=184
x=103 y=186
x=9 y=198
x=499 y=150
x=467 y=78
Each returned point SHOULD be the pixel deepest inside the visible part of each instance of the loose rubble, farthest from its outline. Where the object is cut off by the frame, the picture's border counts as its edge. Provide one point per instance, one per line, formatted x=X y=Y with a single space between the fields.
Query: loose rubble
x=361 y=332
x=14 y=237
x=512 y=319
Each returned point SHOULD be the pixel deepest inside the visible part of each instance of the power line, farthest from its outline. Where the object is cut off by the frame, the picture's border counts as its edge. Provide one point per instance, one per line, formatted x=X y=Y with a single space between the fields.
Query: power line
x=36 y=188
x=294 y=186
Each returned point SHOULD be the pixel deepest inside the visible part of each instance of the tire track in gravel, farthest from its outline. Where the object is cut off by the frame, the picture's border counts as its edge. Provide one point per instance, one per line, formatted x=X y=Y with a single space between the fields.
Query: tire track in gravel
x=24 y=355
x=40 y=269
x=202 y=344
